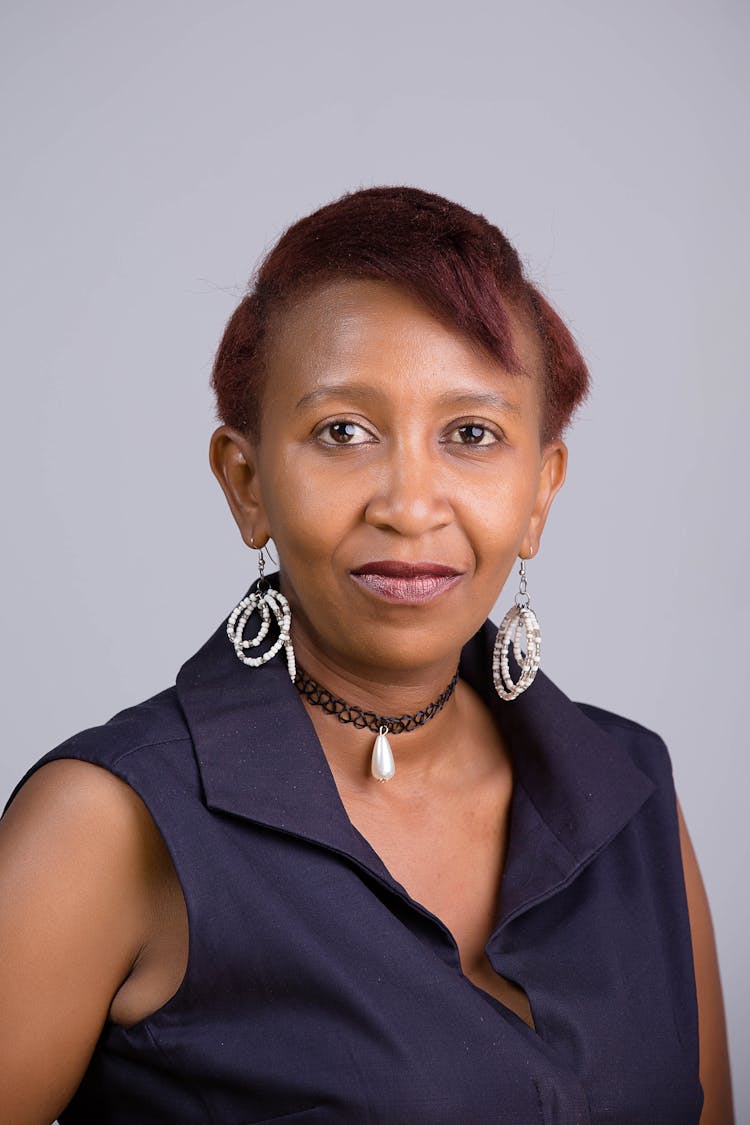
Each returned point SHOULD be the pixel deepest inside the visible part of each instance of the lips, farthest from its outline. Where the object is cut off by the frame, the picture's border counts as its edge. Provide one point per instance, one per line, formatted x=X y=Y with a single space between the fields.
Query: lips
x=406 y=582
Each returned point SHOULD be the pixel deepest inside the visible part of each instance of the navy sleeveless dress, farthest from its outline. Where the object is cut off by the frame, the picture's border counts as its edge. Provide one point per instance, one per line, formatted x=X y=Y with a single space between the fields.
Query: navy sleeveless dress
x=318 y=990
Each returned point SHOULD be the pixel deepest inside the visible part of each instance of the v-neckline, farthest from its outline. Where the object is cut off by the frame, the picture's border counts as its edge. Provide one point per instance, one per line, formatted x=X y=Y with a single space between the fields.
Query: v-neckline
x=259 y=757
x=400 y=889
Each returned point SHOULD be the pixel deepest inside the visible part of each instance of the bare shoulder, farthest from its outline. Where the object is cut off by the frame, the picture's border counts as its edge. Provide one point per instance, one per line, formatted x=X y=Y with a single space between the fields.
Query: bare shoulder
x=714 y=1054
x=78 y=851
x=77 y=819
x=67 y=789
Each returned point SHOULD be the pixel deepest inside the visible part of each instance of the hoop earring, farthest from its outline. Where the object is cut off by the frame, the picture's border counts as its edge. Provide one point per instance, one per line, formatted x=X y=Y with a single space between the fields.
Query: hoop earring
x=519 y=619
x=269 y=603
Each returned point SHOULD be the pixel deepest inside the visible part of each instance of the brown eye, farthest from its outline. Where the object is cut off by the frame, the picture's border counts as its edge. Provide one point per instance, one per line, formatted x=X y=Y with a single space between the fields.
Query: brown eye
x=470 y=433
x=343 y=432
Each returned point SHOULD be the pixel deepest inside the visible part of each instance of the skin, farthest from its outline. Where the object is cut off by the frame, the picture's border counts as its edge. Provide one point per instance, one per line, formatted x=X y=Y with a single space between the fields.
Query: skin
x=441 y=460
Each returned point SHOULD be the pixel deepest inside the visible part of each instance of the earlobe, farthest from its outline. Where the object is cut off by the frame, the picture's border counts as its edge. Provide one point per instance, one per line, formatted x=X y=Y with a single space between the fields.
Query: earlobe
x=234 y=464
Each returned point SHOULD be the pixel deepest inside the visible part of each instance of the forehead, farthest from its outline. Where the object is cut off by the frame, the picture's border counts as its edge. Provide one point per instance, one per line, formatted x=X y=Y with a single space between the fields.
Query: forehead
x=374 y=329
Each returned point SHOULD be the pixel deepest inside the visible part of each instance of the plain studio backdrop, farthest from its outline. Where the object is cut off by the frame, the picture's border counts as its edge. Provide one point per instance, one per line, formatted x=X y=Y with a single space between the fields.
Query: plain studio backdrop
x=153 y=149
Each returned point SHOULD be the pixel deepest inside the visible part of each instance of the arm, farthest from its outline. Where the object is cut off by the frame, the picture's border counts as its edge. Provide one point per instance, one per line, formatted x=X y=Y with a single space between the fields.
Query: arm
x=714 y=1056
x=77 y=848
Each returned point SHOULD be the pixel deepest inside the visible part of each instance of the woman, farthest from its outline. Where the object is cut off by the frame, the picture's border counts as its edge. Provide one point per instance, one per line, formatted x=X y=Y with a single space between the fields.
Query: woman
x=213 y=911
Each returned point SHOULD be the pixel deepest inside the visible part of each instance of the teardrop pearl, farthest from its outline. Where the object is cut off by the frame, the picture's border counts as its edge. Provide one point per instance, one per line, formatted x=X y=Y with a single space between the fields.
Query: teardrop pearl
x=382 y=766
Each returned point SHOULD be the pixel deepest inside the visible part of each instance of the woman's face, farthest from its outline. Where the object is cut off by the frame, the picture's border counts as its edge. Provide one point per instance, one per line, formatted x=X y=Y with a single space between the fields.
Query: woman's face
x=399 y=472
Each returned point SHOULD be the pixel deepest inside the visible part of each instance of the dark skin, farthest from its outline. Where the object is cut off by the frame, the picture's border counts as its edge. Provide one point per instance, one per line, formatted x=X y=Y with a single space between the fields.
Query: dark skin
x=438 y=458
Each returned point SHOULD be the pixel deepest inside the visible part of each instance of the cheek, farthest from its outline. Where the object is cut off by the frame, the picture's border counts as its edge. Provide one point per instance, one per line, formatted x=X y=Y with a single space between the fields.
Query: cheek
x=309 y=511
x=497 y=510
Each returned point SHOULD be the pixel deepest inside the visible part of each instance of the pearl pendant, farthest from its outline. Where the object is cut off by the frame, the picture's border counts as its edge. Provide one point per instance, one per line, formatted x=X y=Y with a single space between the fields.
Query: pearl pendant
x=382 y=765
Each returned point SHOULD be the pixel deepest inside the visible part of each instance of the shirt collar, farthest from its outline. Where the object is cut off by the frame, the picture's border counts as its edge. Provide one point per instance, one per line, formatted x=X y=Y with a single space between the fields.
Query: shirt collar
x=259 y=758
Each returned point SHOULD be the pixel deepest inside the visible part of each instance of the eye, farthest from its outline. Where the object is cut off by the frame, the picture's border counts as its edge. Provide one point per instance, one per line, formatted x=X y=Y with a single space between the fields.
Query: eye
x=473 y=433
x=342 y=431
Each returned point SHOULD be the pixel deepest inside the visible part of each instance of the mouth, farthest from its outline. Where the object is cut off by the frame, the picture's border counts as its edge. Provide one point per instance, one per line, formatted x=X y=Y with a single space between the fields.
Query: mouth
x=410 y=583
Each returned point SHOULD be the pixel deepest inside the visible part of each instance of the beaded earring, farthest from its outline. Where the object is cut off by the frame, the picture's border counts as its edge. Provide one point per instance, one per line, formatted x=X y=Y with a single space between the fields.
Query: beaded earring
x=519 y=619
x=270 y=604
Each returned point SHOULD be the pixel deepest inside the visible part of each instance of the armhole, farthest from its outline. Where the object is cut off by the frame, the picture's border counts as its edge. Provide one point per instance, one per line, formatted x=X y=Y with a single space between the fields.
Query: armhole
x=175 y=999
x=177 y=995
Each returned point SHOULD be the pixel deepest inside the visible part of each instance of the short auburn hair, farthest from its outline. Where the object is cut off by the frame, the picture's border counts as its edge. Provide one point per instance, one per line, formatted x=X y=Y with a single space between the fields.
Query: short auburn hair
x=461 y=267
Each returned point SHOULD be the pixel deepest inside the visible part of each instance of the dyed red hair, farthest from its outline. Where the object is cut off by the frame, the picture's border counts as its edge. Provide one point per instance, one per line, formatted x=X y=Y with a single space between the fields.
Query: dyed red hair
x=460 y=266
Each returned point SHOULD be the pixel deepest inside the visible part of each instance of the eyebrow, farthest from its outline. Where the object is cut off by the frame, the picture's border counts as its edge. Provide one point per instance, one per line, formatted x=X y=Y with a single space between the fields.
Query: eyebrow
x=359 y=391
x=336 y=390
x=480 y=398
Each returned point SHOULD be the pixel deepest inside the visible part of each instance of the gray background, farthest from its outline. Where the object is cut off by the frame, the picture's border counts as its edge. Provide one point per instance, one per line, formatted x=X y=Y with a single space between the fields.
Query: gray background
x=154 y=148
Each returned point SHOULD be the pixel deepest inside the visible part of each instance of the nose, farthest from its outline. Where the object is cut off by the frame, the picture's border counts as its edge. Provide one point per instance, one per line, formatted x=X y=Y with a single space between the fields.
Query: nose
x=410 y=495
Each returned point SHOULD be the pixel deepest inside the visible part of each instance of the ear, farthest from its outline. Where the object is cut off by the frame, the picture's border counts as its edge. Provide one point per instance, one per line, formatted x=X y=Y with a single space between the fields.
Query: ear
x=233 y=459
x=551 y=479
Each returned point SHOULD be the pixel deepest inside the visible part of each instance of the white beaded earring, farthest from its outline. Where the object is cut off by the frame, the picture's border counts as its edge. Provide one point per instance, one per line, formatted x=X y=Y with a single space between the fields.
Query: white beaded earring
x=519 y=619
x=269 y=603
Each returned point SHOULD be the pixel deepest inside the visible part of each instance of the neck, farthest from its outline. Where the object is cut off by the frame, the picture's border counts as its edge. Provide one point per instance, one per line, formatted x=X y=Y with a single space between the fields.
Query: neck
x=364 y=718
x=456 y=748
x=459 y=742
x=393 y=691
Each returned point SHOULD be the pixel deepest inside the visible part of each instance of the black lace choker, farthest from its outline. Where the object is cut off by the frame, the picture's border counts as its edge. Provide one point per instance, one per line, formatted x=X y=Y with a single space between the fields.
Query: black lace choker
x=347 y=713
x=382 y=765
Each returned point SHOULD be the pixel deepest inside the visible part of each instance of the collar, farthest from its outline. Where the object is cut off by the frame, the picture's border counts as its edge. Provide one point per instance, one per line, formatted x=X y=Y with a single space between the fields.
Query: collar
x=575 y=786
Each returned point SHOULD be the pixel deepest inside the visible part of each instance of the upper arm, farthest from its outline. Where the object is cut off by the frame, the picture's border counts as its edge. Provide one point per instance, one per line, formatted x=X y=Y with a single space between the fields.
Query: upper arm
x=714 y=1056
x=76 y=847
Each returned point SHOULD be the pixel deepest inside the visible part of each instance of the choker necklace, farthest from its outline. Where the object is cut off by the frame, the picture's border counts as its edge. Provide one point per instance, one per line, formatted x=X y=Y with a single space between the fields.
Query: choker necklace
x=382 y=765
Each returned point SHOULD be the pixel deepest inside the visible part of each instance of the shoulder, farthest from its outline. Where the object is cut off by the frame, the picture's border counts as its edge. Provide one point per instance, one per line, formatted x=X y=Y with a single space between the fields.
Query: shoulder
x=77 y=827
x=80 y=819
x=83 y=804
x=74 y=808
x=153 y=725
x=154 y=722
x=628 y=730
x=646 y=747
